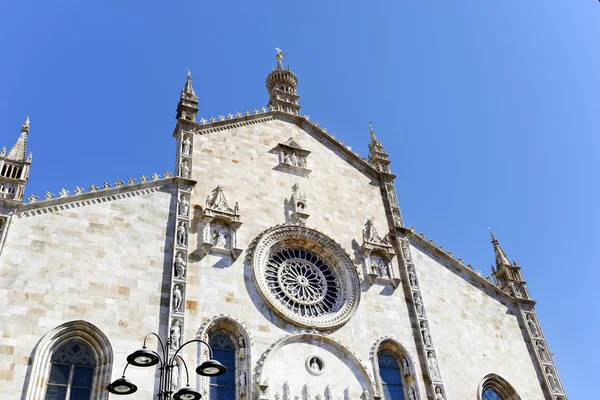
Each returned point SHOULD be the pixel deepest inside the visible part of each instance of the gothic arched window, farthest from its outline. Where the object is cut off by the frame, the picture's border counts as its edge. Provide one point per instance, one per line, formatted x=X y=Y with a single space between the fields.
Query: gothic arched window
x=490 y=394
x=222 y=387
x=391 y=380
x=71 y=373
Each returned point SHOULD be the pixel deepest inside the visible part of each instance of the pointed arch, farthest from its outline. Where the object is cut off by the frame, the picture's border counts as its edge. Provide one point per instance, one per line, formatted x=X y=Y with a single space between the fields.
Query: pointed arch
x=83 y=331
x=390 y=346
x=498 y=385
x=238 y=335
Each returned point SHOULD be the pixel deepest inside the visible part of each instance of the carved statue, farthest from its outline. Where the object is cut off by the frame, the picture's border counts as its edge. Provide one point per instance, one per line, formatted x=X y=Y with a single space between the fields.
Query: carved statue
x=433 y=365
x=185 y=169
x=518 y=291
x=175 y=335
x=182 y=234
x=287 y=159
x=419 y=305
x=177 y=298
x=219 y=238
x=438 y=393
x=243 y=382
x=412 y=278
x=406 y=252
x=542 y=350
x=315 y=365
x=405 y=367
x=187 y=143
x=411 y=394
x=184 y=205
x=425 y=333
x=294 y=159
x=241 y=342
x=302 y=162
x=532 y=325
x=175 y=378
x=179 y=266
x=552 y=379
x=382 y=268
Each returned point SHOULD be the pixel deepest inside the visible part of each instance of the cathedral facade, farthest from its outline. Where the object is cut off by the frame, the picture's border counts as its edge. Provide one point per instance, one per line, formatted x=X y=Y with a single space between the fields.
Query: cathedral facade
x=272 y=248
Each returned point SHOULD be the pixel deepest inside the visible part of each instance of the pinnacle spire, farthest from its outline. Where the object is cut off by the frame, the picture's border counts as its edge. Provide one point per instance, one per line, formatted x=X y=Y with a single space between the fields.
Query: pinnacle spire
x=19 y=150
x=378 y=156
x=281 y=84
x=501 y=258
x=188 y=90
x=372 y=133
x=188 y=101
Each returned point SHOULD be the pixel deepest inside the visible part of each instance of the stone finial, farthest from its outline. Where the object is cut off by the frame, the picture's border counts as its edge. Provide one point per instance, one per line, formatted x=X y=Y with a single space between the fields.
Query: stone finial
x=203 y=121
x=155 y=176
x=93 y=188
x=143 y=178
x=221 y=118
x=118 y=183
x=167 y=174
x=230 y=116
x=255 y=111
x=131 y=180
x=78 y=190
x=212 y=119
x=246 y=113
x=49 y=196
x=105 y=185
x=32 y=198
x=238 y=114
x=63 y=193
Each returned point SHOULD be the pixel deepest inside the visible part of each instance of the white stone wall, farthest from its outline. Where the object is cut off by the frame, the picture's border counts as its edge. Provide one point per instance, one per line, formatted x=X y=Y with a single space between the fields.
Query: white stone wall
x=102 y=263
x=476 y=331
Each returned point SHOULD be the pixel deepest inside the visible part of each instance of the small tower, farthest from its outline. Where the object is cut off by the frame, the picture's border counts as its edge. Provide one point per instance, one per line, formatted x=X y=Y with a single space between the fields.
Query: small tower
x=14 y=167
x=187 y=108
x=378 y=156
x=508 y=276
x=281 y=84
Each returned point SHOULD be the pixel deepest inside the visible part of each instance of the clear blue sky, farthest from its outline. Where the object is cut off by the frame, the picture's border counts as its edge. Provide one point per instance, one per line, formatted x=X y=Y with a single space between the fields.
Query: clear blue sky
x=489 y=110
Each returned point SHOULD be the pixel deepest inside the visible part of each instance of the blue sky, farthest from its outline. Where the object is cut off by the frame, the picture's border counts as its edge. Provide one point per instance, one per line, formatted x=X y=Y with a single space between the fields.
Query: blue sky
x=489 y=111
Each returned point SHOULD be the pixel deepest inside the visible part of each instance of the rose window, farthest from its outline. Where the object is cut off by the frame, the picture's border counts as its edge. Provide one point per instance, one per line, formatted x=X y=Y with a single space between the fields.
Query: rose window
x=305 y=277
x=302 y=281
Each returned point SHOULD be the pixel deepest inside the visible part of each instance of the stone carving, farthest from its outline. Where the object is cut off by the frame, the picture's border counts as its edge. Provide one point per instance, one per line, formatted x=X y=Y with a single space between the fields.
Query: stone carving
x=532 y=325
x=412 y=277
x=433 y=366
x=411 y=394
x=541 y=349
x=328 y=393
x=143 y=178
x=182 y=234
x=419 y=304
x=177 y=298
x=119 y=183
x=219 y=238
x=292 y=154
x=405 y=366
x=32 y=198
x=131 y=180
x=439 y=395
x=185 y=169
x=307 y=391
x=184 y=205
x=186 y=145
x=315 y=364
x=243 y=383
x=63 y=193
x=180 y=265
x=518 y=292
x=175 y=333
x=175 y=378
x=78 y=190
x=155 y=176
x=299 y=205
x=554 y=385
x=105 y=185
x=425 y=333
x=48 y=196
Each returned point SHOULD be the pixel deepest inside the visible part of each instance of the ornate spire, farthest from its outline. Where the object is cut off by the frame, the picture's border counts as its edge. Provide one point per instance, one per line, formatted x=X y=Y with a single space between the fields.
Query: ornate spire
x=501 y=258
x=188 y=101
x=281 y=84
x=378 y=156
x=14 y=167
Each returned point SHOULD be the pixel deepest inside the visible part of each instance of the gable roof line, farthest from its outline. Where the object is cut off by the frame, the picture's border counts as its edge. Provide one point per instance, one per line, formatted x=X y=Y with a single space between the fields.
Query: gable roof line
x=199 y=127
x=480 y=279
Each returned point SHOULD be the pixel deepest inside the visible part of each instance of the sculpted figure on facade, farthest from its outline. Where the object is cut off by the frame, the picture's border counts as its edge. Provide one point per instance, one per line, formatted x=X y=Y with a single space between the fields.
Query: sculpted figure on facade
x=438 y=393
x=553 y=380
x=177 y=298
x=185 y=169
x=179 y=266
x=184 y=205
x=411 y=394
x=412 y=277
x=243 y=383
x=425 y=333
x=182 y=234
x=175 y=333
x=542 y=351
x=433 y=365
x=186 y=145
x=532 y=325
x=419 y=304
x=175 y=376
x=405 y=367
x=219 y=238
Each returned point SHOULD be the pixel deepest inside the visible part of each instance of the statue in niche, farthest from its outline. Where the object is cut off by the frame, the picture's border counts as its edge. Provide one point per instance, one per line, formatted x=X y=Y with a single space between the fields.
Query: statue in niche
x=179 y=266
x=182 y=234
x=411 y=394
x=518 y=292
x=302 y=162
x=315 y=364
x=243 y=383
x=219 y=238
x=185 y=169
x=175 y=335
x=391 y=197
x=294 y=159
x=542 y=350
x=177 y=298
x=552 y=379
x=187 y=144
x=532 y=325
x=406 y=252
x=419 y=305
x=405 y=367
x=438 y=393
x=433 y=365
x=287 y=159
x=184 y=205
x=412 y=278
x=175 y=378
x=241 y=342
x=425 y=333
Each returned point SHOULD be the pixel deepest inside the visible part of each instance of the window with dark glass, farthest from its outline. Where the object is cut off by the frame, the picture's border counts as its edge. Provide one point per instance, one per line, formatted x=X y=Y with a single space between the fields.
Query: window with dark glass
x=222 y=387
x=391 y=381
x=490 y=394
x=72 y=372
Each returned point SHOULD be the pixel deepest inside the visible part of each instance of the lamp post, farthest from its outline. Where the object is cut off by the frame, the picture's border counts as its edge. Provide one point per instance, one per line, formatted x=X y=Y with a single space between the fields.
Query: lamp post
x=148 y=358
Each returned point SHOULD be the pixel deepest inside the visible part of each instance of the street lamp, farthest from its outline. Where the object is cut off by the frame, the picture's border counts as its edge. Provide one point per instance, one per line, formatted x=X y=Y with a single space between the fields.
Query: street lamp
x=147 y=358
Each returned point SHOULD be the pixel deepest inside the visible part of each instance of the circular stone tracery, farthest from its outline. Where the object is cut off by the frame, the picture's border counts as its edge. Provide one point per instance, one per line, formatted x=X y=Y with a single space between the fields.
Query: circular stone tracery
x=305 y=276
